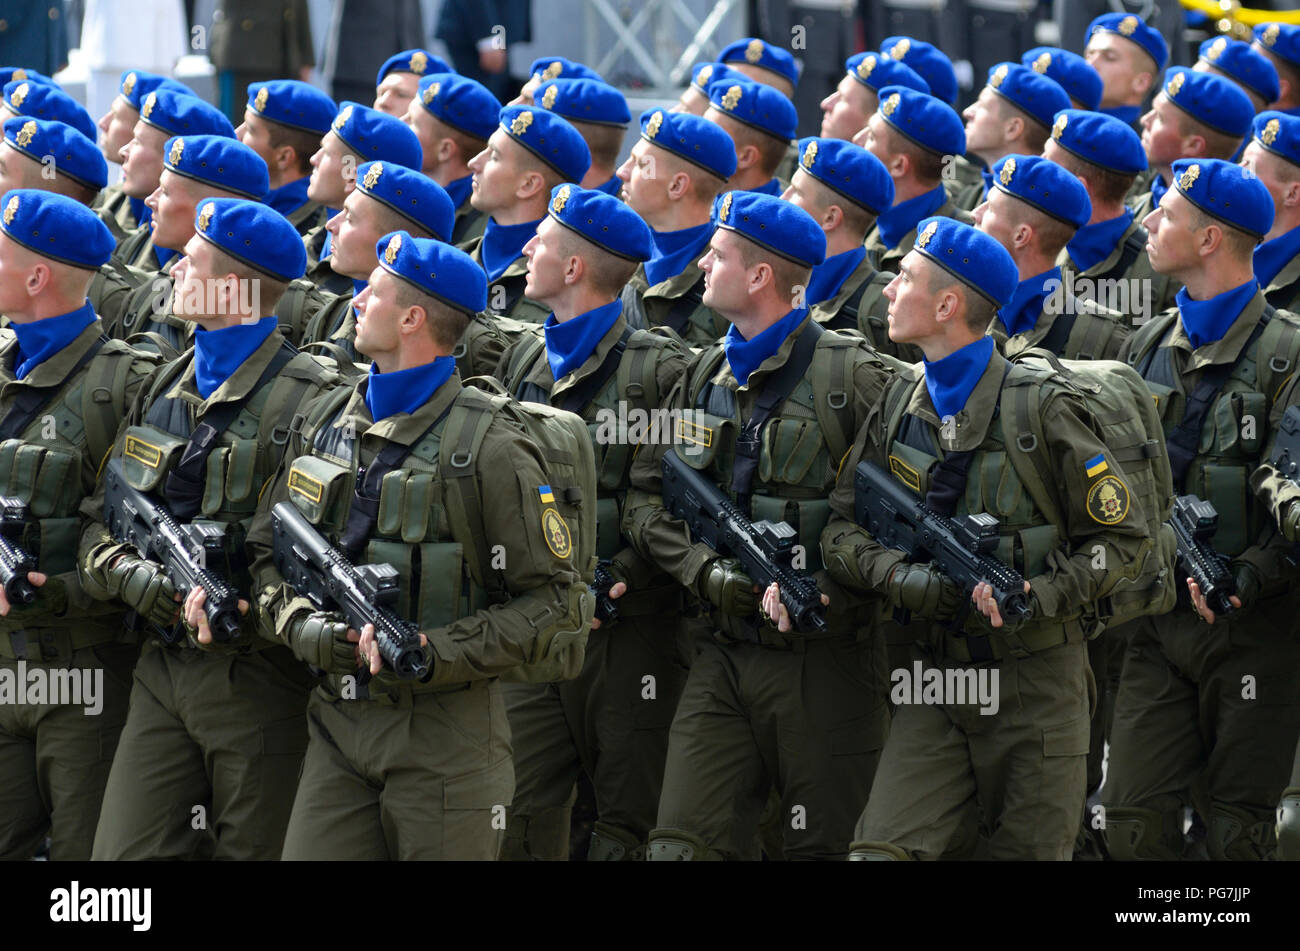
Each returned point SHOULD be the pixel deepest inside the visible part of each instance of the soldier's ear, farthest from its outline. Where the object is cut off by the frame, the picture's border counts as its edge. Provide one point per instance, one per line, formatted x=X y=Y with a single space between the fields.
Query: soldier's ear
x=746 y=156
x=1291 y=197
x=1142 y=83
x=531 y=184
x=1013 y=127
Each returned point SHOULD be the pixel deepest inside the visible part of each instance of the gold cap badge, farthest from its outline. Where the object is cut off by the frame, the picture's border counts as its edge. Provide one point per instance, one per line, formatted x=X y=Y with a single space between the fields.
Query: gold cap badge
x=1058 y=127
x=1042 y=63
x=731 y=98
x=521 y=123
x=1269 y=135
x=809 y=155
x=127 y=84
x=11 y=209
x=18 y=75
x=1008 y=170
x=548 y=100
x=561 y=199
x=419 y=62
x=205 y=216
x=149 y=103
x=372 y=176
x=24 y=136
x=394 y=245
x=431 y=93
x=890 y=104
x=1270 y=34
x=1189 y=177
x=999 y=74
x=178 y=149
x=342 y=118
x=866 y=66
x=1128 y=25
x=552 y=71
x=652 y=127
x=924 y=238
x=1175 y=85
x=754 y=51
x=259 y=103
x=702 y=80
x=1216 y=49
x=722 y=212
x=19 y=95
x=900 y=49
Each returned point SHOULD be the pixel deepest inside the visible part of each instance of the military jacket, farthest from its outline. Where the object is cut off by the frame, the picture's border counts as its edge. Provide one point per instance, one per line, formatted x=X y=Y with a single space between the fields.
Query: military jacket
x=1129 y=263
x=319 y=271
x=860 y=305
x=114 y=209
x=676 y=303
x=1283 y=291
x=506 y=294
x=1081 y=330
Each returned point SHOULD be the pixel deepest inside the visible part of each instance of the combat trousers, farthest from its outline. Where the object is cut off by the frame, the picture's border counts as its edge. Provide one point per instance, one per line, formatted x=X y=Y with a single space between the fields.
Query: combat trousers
x=1213 y=707
x=54 y=759
x=1024 y=765
x=208 y=760
x=610 y=722
x=810 y=721
x=404 y=776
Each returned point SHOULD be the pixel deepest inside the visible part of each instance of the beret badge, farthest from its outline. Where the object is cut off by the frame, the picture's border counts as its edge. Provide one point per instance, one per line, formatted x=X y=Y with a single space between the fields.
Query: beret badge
x=395 y=245
x=999 y=74
x=809 y=155
x=1008 y=171
x=371 y=177
x=754 y=51
x=901 y=48
x=652 y=127
x=127 y=84
x=1058 y=128
x=431 y=93
x=1189 y=177
x=24 y=136
x=866 y=66
x=419 y=62
x=260 y=102
x=927 y=234
x=343 y=118
x=561 y=199
x=548 y=100
x=149 y=103
x=19 y=95
x=731 y=98
x=1270 y=34
x=722 y=212
x=521 y=123
x=1269 y=135
x=1216 y=49
x=1175 y=85
x=552 y=71
x=205 y=216
x=1128 y=25
x=702 y=80
x=11 y=209
x=1043 y=61
x=178 y=149
x=890 y=104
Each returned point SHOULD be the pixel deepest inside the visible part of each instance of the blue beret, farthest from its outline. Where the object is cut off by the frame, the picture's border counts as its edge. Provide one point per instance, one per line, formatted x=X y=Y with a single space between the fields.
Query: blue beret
x=420 y=62
x=1240 y=61
x=1045 y=185
x=1281 y=39
x=704 y=75
x=761 y=107
x=1279 y=132
x=377 y=135
x=1070 y=71
x=411 y=194
x=584 y=100
x=215 y=160
x=925 y=120
x=1133 y=29
x=875 y=70
x=1100 y=139
x=10 y=74
x=968 y=254
x=74 y=155
x=44 y=101
x=926 y=61
x=1211 y=100
x=777 y=225
x=182 y=114
x=254 y=234
x=462 y=103
x=693 y=138
x=292 y=103
x=1225 y=191
x=757 y=53
x=1037 y=96
x=436 y=268
x=848 y=169
x=557 y=67
x=549 y=137
x=57 y=227
x=603 y=220
x=135 y=84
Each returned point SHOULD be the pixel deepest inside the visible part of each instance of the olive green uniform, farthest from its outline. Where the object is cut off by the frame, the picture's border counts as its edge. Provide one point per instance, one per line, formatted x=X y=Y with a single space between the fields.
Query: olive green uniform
x=319 y=271
x=963 y=180
x=136 y=251
x=114 y=209
x=1128 y=262
x=676 y=303
x=1213 y=709
x=209 y=756
x=506 y=294
x=1284 y=290
x=1024 y=764
x=806 y=714
x=468 y=227
x=861 y=305
x=1083 y=330
x=605 y=722
x=54 y=759
x=887 y=259
x=422 y=770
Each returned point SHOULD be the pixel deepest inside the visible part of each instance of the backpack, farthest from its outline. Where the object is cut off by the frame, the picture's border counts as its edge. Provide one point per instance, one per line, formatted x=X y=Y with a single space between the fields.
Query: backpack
x=570 y=470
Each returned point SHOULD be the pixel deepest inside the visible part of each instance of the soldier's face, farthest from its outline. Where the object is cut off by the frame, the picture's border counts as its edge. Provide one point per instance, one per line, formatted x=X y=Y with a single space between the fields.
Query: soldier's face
x=726 y=279
x=356 y=230
x=201 y=288
x=333 y=172
x=692 y=100
x=804 y=192
x=911 y=311
x=254 y=133
x=645 y=176
x=496 y=174
x=16 y=264
x=549 y=256
x=984 y=123
x=378 y=315
x=429 y=132
x=874 y=137
x=115 y=129
x=1162 y=135
x=1274 y=173
x=1118 y=61
x=846 y=110
x=525 y=97
x=996 y=217
x=1171 y=238
x=18 y=171
x=395 y=93
x=142 y=160
x=174 y=203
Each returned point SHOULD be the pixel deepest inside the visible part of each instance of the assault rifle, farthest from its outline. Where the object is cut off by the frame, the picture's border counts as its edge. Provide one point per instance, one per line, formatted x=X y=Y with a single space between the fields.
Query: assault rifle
x=1195 y=522
x=14 y=560
x=606 y=607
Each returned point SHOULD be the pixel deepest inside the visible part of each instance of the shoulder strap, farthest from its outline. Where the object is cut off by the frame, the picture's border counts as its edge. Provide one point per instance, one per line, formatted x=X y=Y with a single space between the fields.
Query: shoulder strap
x=467 y=423
x=834 y=406
x=1133 y=246
x=681 y=309
x=638 y=378
x=1021 y=408
x=1284 y=297
x=103 y=401
x=526 y=352
x=1059 y=334
x=849 y=311
x=584 y=392
x=31 y=400
x=1282 y=350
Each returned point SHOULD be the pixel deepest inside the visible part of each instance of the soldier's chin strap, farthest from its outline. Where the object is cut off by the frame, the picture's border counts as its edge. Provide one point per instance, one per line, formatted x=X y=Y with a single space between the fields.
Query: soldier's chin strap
x=32 y=399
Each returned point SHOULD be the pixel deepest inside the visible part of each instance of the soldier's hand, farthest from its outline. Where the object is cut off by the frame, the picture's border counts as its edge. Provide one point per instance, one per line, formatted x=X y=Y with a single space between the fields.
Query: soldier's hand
x=367 y=650
x=197 y=620
x=1200 y=605
x=924 y=590
x=774 y=609
x=321 y=639
x=616 y=591
x=982 y=597
x=724 y=585
x=144 y=586
x=35 y=577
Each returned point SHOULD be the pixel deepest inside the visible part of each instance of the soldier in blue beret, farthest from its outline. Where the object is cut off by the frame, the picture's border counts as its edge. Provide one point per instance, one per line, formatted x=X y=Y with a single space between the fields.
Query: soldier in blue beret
x=9 y=74
x=1204 y=232
x=724 y=751
x=283 y=123
x=579 y=261
x=53 y=349
x=44 y=101
x=358 y=134
x=201 y=709
x=1273 y=154
x=761 y=121
x=1012 y=116
x=1070 y=71
x=399 y=79
x=676 y=170
x=927 y=61
x=1240 y=62
x=453 y=117
x=695 y=97
x=1280 y=44
x=547 y=68
x=599 y=112
x=531 y=151
x=847 y=109
x=763 y=63
x=915 y=137
x=1195 y=115
x=1128 y=55
x=845 y=188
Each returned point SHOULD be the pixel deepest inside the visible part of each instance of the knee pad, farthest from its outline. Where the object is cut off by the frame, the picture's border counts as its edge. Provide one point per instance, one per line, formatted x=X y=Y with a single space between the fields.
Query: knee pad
x=1288 y=826
x=673 y=845
x=611 y=844
x=540 y=837
x=1240 y=835
x=877 y=852
x=1133 y=833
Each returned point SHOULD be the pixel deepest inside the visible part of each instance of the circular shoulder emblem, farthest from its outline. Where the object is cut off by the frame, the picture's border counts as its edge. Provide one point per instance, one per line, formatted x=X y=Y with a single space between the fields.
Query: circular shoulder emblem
x=556 y=533
x=1108 y=500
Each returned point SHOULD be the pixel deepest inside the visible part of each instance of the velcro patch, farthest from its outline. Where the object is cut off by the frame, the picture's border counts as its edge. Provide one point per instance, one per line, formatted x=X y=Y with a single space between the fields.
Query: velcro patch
x=1108 y=500
x=305 y=485
x=905 y=474
x=142 y=451
x=694 y=433
x=556 y=533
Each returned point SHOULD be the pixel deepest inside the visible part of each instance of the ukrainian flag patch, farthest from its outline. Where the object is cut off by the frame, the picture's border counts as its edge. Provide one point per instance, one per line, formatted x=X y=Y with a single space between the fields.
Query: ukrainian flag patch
x=547 y=495
x=1096 y=465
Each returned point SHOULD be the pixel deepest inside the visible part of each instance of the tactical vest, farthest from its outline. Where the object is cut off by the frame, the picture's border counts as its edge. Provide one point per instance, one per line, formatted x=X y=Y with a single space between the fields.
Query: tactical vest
x=687 y=315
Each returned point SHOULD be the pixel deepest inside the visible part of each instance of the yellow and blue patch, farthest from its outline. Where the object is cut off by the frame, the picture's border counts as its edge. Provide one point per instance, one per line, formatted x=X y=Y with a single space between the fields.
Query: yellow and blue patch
x=546 y=494
x=1095 y=466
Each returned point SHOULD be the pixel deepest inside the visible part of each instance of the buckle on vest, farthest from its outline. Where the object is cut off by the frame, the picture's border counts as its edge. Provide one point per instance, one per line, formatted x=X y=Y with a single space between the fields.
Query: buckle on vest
x=837 y=399
x=461 y=458
x=1278 y=364
x=1030 y=446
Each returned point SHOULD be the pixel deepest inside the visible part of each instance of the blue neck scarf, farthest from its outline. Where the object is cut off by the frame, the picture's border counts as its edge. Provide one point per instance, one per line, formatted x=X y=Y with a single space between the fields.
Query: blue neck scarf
x=289 y=198
x=1021 y=312
x=952 y=379
x=1093 y=244
x=772 y=188
x=829 y=276
x=895 y=223
x=141 y=212
x=219 y=353
x=459 y=190
x=611 y=187
x=405 y=391
x=569 y=344
x=1272 y=256
x=675 y=250
x=164 y=256
x=744 y=356
x=503 y=244
x=1128 y=115
x=41 y=339
x=1206 y=321
x=328 y=244
x=1158 y=189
